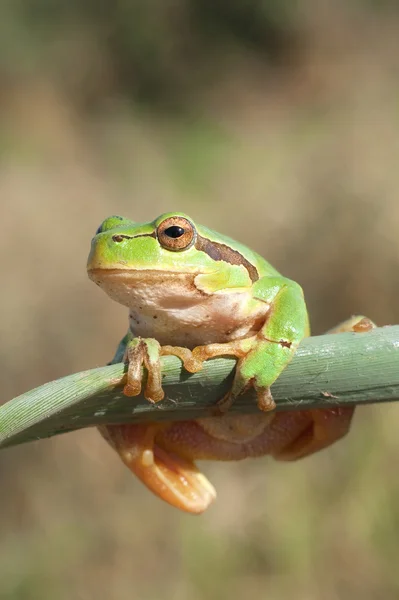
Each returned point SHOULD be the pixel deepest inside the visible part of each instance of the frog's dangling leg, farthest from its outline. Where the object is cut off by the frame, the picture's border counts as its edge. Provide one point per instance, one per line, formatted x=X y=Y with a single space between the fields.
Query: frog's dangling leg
x=162 y=455
x=170 y=475
x=320 y=427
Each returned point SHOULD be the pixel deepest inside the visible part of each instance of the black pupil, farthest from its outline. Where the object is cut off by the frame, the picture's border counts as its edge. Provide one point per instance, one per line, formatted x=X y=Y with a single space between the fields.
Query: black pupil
x=174 y=231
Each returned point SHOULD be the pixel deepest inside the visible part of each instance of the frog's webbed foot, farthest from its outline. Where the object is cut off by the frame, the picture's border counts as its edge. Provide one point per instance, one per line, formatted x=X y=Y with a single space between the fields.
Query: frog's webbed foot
x=170 y=474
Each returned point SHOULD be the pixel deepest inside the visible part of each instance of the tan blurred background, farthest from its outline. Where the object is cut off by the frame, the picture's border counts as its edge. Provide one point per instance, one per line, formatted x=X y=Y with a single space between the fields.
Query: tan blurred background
x=274 y=122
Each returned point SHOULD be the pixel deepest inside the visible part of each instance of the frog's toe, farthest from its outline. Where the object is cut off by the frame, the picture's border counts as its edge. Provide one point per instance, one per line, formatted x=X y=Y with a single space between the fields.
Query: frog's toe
x=171 y=476
x=265 y=399
x=134 y=356
x=134 y=377
x=153 y=391
x=224 y=404
x=192 y=363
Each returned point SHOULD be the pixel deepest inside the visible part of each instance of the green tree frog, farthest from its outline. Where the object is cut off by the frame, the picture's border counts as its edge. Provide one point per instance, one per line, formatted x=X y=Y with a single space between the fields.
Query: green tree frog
x=196 y=294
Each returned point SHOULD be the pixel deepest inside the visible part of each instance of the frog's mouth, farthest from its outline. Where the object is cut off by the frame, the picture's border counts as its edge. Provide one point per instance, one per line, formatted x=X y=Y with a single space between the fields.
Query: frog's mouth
x=120 y=275
x=169 y=475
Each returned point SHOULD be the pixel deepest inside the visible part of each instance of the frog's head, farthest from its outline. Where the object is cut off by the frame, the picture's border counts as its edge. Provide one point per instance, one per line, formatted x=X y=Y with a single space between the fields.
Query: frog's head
x=170 y=253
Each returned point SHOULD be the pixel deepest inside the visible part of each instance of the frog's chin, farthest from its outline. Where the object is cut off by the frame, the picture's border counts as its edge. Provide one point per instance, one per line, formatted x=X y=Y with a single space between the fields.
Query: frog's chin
x=172 y=477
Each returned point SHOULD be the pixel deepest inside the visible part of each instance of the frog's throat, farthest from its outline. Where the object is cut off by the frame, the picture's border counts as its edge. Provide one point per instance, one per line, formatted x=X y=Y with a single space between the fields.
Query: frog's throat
x=172 y=477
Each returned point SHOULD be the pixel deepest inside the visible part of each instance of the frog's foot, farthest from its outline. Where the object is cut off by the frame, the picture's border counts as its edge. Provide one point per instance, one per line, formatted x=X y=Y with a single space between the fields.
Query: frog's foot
x=169 y=474
x=143 y=352
x=146 y=352
x=191 y=362
x=357 y=324
x=242 y=384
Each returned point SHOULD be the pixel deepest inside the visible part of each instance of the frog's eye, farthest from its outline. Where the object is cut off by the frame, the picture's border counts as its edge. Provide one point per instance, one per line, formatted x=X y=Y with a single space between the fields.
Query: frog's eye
x=176 y=233
x=111 y=223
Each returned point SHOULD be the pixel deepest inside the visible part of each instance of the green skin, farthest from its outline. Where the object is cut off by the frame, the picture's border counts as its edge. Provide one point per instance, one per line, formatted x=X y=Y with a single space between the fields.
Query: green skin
x=196 y=294
x=215 y=297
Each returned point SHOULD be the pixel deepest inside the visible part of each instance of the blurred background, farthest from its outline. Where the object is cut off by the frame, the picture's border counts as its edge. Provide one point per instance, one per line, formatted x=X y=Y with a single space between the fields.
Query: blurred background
x=274 y=122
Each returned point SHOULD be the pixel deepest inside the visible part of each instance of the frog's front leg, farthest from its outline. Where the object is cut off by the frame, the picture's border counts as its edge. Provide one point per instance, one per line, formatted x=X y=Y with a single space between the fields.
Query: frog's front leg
x=261 y=357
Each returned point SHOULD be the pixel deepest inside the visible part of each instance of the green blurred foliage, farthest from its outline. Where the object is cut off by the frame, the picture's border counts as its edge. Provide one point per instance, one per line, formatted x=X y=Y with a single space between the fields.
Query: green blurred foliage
x=158 y=51
x=273 y=122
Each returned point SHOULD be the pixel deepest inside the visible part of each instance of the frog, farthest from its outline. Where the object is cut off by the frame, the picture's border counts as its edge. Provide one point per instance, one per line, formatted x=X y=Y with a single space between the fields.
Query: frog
x=197 y=294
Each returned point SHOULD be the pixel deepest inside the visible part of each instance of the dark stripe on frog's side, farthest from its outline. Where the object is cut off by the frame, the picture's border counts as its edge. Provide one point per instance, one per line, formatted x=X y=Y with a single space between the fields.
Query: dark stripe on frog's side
x=219 y=251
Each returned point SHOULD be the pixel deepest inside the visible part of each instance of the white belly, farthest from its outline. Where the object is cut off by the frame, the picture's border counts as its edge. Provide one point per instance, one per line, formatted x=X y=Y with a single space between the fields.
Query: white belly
x=218 y=318
x=170 y=308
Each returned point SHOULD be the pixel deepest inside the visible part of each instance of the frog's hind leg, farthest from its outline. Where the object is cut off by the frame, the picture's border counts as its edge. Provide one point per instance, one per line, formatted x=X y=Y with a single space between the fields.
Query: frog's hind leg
x=321 y=427
x=168 y=474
